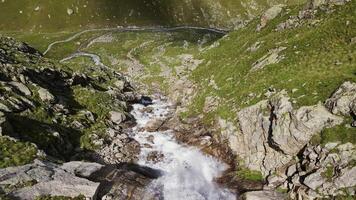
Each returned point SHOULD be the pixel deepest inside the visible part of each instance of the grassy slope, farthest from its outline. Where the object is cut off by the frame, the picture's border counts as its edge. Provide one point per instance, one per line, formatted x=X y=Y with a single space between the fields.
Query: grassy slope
x=317 y=60
x=52 y=15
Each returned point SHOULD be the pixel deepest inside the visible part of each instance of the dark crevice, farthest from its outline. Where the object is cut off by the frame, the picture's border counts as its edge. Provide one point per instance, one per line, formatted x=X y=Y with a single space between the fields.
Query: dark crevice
x=271 y=143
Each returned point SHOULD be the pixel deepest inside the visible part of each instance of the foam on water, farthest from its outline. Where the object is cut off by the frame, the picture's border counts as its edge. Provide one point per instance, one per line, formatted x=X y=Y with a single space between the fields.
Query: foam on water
x=188 y=173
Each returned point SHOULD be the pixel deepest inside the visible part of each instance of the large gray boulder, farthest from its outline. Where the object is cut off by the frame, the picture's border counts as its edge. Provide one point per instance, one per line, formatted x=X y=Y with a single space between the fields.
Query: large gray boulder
x=46 y=96
x=117 y=117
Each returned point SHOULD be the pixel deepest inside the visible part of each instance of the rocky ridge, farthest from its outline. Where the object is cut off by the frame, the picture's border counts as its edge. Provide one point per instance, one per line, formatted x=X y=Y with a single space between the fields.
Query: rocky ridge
x=46 y=113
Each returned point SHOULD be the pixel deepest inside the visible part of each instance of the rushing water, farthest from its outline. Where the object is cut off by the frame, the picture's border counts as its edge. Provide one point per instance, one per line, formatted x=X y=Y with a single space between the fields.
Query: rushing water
x=188 y=174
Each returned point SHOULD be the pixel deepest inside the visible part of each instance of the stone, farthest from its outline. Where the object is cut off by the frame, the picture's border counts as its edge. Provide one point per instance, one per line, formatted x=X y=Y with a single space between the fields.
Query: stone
x=70 y=11
x=21 y=87
x=347 y=178
x=271 y=57
x=81 y=169
x=154 y=125
x=117 y=117
x=211 y=104
x=155 y=156
x=263 y=195
x=120 y=85
x=4 y=108
x=270 y=14
x=46 y=96
x=314 y=180
x=343 y=101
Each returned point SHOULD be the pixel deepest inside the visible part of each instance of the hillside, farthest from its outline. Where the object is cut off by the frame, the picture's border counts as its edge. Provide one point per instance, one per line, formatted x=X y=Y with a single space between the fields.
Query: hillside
x=274 y=98
x=44 y=16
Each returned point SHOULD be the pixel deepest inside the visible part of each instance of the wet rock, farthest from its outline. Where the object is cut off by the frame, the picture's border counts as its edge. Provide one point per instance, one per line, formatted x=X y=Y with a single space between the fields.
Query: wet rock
x=154 y=125
x=146 y=101
x=155 y=157
x=126 y=181
x=263 y=195
x=46 y=96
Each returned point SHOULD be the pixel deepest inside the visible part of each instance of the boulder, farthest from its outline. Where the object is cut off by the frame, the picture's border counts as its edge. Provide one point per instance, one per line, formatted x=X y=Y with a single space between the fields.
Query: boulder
x=45 y=95
x=154 y=125
x=343 y=101
x=126 y=181
x=21 y=87
x=270 y=14
x=117 y=117
x=314 y=180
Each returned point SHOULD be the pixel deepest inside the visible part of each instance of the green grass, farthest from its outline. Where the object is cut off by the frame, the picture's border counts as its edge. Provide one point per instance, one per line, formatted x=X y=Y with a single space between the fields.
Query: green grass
x=15 y=153
x=328 y=174
x=309 y=63
x=251 y=175
x=342 y=133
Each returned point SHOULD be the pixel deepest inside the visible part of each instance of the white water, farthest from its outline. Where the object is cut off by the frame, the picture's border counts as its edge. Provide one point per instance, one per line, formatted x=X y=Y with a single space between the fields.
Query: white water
x=188 y=173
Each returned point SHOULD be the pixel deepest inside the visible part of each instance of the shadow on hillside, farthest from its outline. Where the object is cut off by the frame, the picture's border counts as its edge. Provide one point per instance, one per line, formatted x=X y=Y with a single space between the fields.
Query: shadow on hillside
x=55 y=139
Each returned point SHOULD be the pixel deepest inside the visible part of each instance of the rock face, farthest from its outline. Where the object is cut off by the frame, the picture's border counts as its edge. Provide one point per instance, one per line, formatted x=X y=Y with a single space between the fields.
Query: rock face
x=273 y=132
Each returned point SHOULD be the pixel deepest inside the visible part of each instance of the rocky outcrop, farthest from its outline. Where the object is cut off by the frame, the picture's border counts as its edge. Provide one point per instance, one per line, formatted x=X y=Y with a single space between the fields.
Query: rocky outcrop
x=272 y=132
x=343 y=101
x=320 y=172
x=307 y=15
x=72 y=179
x=45 y=178
x=270 y=14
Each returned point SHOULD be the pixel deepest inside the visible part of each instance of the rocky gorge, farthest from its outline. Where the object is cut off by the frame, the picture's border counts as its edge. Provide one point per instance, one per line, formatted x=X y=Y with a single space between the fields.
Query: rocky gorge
x=187 y=112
